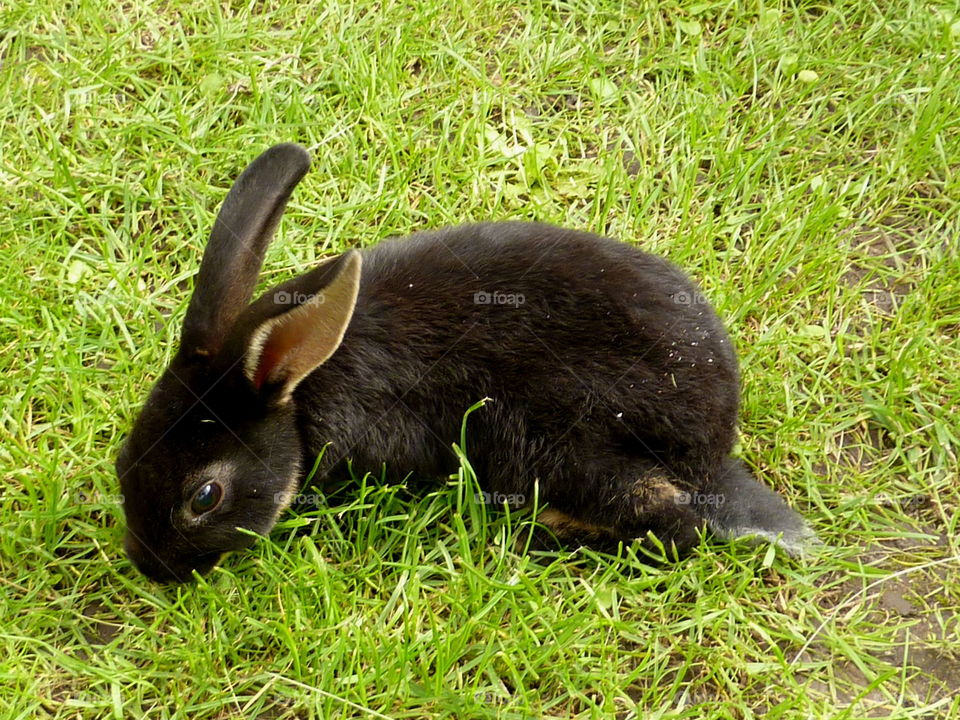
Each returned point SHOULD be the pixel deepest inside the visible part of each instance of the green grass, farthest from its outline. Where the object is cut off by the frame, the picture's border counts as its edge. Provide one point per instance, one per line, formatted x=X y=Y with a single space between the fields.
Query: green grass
x=799 y=159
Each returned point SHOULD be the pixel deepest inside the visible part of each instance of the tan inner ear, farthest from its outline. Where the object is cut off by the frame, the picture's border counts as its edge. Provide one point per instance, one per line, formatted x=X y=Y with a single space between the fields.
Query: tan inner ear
x=285 y=349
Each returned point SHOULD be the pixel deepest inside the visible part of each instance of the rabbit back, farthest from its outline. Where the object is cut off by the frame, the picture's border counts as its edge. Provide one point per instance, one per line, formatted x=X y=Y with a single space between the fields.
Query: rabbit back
x=602 y=365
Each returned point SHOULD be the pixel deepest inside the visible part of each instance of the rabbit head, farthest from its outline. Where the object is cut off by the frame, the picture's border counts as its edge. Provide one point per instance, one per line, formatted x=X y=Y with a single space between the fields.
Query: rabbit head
x=216 y=450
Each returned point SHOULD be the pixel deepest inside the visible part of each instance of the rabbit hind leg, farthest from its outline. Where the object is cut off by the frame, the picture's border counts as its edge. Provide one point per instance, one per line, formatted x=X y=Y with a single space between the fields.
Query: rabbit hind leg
x=649 y=503
x=653 y=503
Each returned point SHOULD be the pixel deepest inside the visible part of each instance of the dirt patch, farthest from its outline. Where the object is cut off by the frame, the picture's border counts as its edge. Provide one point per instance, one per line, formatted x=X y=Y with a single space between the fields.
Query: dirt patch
x=631 y=164
x=100 y=625
x=907 y=616
x=883 y=264
x=856 y=449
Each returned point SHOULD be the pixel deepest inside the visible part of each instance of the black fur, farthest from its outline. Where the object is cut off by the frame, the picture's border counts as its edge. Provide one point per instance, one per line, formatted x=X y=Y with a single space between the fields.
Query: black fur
x=612 y=385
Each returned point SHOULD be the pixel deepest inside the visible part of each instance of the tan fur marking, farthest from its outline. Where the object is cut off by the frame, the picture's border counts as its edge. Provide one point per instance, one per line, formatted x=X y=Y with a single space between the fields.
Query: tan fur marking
x=288 y=493
x=655 y=489
x=564 y=525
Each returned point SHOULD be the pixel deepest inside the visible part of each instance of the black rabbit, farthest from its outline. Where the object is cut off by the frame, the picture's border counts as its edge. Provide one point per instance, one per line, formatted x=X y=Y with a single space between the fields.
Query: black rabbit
x=613 y=387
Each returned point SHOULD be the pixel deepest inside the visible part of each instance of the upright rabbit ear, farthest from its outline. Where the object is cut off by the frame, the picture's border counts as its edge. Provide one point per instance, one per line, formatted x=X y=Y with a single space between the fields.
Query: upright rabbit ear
x=237 y=245
x=283 y=348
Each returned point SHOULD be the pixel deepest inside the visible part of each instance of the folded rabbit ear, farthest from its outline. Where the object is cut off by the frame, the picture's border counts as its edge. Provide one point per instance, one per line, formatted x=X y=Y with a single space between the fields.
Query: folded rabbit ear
x=286 y=347
x=237 y=245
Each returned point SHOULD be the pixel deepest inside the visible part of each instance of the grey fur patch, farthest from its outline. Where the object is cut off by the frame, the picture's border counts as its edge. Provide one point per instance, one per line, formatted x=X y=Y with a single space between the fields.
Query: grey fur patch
x=795 y=542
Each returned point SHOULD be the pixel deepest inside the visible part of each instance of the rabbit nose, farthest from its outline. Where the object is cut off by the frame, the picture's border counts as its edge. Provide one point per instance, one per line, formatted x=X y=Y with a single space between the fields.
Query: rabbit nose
x=141 y=556
x=146 y=560
x=149 y=562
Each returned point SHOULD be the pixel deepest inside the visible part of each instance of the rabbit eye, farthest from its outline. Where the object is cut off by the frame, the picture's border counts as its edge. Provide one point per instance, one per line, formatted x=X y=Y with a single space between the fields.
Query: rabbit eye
x=206 y=498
